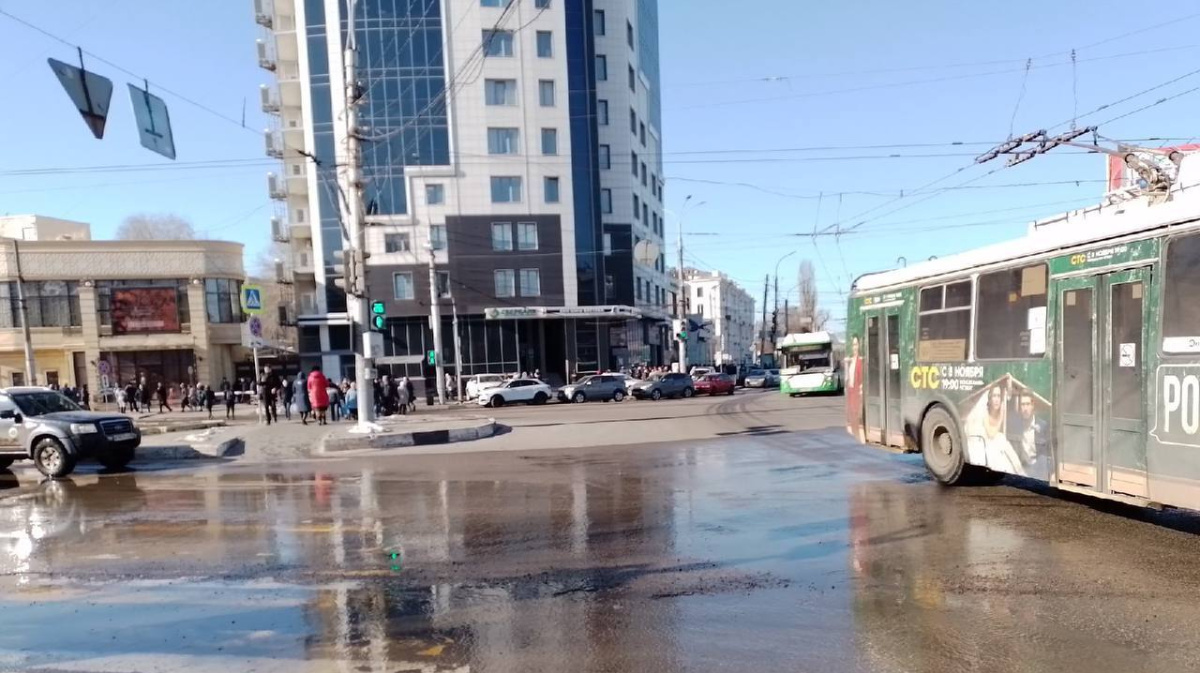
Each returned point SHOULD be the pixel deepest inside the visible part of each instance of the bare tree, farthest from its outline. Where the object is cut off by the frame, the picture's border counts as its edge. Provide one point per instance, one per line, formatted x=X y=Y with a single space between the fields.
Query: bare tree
x=155 y=227
x=809 y=317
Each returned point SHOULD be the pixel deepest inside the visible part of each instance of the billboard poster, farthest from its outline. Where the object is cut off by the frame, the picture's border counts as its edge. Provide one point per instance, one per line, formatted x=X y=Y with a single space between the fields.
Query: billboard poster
x=144 y=310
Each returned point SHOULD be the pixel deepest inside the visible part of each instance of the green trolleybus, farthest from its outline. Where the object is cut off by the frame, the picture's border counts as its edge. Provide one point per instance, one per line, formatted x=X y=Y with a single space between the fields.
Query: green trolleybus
x=1071 y=355
x=809 y=363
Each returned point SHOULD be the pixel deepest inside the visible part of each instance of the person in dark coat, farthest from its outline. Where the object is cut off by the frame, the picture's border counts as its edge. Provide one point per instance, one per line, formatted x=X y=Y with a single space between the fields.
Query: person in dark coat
x=144 y=392
x=287 y=393
x=163 y=393
x=412 y=398
x=210 y=398
x=300 y=390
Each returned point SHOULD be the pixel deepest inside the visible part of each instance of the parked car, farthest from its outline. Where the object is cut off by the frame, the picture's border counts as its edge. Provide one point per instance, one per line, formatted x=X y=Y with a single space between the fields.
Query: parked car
x=773 y=378
x=756 y=378
x=526 y=391
x=715 y=384
x=480 y=382
x=43 y=425
x=603 y=387
x=663 y=384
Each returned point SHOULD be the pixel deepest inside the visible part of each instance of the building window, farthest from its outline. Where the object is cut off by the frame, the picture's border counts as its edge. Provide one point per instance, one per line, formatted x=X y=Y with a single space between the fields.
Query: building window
x=607 y=244
x=637 y=207
x=598 y=24
x=629 y=34
x=601 y=68
x=502 y=236
x=500 y=91
x=402 y=286
x=546 y=92
x=506 y=189
x=551 y=187
x=435 y=194
x=944 y=325
x=222 y=300
x=602 y=112
x=505 y=282
x=633 y=157
x=531 y=283
x=527 y=236
x=632 y=80
x=644 y=181
x=437 y=236
x=397 y=243
x=639 y=289
x=606 y=201
x=541 y=4
x=604 y=157
x=545 y=44
x=502 y=141
x=642 y=133
x=549 y=142
x=699 y=293
x=497 y=43
x=53 y=303
x=633 y=121
x=494 y=3
x=443 y=284
x=645 y=212
x=1005 y=303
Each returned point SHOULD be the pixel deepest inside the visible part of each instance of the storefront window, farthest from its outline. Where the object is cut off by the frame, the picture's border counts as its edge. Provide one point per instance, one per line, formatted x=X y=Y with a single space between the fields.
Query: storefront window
x=51 y=303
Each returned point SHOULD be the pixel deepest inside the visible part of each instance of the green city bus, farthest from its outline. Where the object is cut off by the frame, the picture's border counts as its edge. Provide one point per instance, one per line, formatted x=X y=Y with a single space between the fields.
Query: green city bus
x=1071 y=355
x=809 y=363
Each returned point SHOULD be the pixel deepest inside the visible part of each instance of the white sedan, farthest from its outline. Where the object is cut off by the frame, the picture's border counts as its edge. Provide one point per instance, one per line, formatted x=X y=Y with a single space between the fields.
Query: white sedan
x=527 y=391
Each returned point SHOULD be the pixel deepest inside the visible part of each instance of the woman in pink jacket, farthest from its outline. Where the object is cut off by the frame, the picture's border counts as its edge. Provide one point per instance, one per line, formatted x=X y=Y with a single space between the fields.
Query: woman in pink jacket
x=318 y=393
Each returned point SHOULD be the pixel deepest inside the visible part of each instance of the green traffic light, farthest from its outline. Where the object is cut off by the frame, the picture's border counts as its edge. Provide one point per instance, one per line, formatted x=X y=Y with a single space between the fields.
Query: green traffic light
x=378 y=308
x=378 y=322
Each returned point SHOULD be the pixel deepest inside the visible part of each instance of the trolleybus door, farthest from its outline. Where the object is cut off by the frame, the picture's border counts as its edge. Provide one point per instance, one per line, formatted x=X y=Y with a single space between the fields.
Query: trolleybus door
x=882 y=385
x=1100 y=415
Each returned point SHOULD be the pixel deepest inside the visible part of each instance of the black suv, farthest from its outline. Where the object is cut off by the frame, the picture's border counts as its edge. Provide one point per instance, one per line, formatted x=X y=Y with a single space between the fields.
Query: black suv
x=43 y=425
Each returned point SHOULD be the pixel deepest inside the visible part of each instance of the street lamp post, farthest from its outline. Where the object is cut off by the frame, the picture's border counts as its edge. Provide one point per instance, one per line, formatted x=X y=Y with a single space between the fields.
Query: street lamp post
x=775 y=311
x=680 y=304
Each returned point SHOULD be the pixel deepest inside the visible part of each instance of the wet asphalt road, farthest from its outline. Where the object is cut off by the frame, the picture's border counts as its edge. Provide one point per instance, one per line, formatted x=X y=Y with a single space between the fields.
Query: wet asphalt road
x=767 y=547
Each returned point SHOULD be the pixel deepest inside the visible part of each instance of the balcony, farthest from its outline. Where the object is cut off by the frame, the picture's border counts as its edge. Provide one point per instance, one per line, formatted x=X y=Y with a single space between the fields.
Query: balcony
x=302 y=265
x=300 y=231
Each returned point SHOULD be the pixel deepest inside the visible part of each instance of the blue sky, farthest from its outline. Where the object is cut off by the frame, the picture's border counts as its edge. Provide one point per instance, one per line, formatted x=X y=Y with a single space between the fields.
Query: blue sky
x=740 y=85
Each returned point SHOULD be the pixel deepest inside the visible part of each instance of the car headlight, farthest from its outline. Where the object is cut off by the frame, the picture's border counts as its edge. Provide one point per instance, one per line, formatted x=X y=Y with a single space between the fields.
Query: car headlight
x=84 y=428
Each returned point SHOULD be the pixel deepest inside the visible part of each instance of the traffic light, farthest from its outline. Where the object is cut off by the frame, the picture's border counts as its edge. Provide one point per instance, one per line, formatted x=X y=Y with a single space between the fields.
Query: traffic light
x=378 y=316
x=350 y=265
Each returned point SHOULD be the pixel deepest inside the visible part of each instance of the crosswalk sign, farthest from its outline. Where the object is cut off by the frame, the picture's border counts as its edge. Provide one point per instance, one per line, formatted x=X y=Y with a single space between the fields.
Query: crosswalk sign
x=252 y=299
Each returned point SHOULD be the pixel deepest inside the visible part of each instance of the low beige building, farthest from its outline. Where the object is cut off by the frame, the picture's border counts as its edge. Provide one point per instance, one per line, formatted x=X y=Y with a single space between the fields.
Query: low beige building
x=107 y=312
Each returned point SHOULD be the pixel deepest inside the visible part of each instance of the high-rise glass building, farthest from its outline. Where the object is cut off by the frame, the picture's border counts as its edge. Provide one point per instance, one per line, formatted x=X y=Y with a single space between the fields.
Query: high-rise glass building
x=517 y=142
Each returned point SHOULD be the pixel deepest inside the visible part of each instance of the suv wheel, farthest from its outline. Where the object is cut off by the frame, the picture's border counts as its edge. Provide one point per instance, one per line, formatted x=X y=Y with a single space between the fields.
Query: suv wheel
x=540 y=398
x=116 y=458
x=618 y=396
x=688 y=392
x=579 y=397
x=52 y=459
x=656 y=394
x=496 y=401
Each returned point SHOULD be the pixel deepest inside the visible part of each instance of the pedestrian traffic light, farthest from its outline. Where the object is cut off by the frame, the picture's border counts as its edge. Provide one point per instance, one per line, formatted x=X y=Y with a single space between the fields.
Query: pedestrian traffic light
x=378 y=316
x=432 y=355
x=682 y=335
x=349 y=269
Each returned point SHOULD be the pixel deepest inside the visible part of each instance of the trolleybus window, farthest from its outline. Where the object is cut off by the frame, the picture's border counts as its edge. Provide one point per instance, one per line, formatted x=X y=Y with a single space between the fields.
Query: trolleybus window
x=1011 y=305
x=945 y=322
x=1181 y=311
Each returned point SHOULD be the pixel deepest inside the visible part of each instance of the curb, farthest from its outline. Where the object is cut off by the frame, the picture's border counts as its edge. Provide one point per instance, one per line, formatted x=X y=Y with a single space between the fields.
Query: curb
x=395 y=440
x=183 y=427
x=198 y=451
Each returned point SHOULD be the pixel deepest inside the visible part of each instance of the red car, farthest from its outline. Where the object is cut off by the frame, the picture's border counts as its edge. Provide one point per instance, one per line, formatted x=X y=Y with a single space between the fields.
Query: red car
x=714 y=384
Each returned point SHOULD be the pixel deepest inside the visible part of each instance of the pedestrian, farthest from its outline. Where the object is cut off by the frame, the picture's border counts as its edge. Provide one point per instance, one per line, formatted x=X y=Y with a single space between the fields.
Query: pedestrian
x=270 y=391
x=144 y=393
x=185 y=399
x=286 y=393
x=412 y=397
x=318 y=393
x=449 y=384
x=120 y=398
x=163 y=393
x=131 y=396
x=230 y=400
x=402 y=399
x=537 y=374
x=392 y=394
x=300 y=395
x=210 y=398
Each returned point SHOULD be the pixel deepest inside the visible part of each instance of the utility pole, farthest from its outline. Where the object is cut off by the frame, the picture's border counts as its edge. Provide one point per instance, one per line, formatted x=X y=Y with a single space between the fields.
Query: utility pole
x=435 y=321
x=762 y=334
x=775 y=311
x=356 y=282
x=785 y=316
x=682 y=302
x=458 y=363
x=30 y=370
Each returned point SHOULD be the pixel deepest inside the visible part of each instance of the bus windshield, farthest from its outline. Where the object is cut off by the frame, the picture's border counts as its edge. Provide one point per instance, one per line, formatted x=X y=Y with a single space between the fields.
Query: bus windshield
x=809 y=360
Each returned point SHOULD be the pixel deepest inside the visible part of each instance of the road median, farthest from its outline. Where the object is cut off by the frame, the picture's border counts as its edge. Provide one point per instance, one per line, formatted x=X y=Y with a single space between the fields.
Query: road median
x=408 y=432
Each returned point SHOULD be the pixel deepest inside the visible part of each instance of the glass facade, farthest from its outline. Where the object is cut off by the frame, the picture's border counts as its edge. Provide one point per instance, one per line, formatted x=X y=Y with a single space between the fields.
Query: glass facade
x=647 y=38
x=582 y=22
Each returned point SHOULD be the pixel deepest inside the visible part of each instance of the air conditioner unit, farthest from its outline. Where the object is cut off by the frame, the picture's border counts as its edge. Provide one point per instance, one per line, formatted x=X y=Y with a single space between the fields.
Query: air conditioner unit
x=269 y=103
x=273 y=144
x=262 y=13
x=286 y=317
x=279 y=230
x=265 y=60
x=308 y=303
x=274 y=188
x=281 y=274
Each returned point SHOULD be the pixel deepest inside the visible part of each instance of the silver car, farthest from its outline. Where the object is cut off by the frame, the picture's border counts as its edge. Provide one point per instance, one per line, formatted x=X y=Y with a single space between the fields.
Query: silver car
x=659 y=385
x=757 y=378
x=603 y=387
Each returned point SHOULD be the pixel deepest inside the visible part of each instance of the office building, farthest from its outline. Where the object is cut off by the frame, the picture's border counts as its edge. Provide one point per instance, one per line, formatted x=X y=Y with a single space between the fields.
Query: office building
x=518 y=143
x=728 y=311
